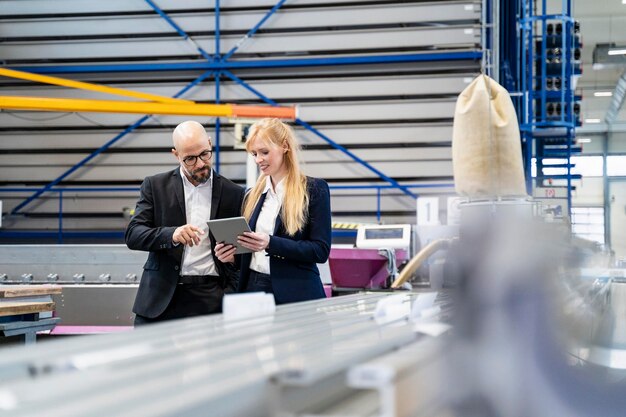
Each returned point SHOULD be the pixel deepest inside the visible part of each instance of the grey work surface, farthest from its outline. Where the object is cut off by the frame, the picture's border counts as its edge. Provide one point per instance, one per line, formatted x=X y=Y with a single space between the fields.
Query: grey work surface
x=232 y=368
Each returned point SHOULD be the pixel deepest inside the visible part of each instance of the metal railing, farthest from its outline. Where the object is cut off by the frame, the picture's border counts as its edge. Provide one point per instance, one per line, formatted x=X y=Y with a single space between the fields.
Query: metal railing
x=60 y=233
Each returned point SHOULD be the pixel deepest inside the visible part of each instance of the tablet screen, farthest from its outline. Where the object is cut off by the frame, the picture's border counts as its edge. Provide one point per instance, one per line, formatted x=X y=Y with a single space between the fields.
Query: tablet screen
x=227 y=230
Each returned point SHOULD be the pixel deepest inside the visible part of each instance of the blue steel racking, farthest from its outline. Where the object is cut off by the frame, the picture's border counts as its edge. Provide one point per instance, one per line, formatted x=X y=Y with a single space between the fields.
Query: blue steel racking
x=548 y=119
x=220 y=65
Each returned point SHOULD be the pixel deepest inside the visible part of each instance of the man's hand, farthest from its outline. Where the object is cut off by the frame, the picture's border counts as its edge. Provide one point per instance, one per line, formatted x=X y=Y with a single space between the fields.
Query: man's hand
x=225 y=253
x=187 y=235
x=254 y=241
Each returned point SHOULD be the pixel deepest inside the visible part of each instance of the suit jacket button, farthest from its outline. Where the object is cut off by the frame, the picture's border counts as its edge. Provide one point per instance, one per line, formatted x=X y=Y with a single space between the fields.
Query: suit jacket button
x=176 y=267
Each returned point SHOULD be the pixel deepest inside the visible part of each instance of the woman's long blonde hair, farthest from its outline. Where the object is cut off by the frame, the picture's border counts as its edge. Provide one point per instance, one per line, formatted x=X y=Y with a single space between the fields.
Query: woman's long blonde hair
x=294 y=210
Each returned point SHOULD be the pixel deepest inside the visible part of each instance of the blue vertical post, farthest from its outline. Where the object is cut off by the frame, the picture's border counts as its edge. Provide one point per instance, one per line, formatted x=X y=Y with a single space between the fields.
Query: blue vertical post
x=539 y=67
x=529 y=73
x=567 y=102
x=218 y=75
x=569 y=172
x=522 y=67
x=529 y=91
x=488 y=23
x=544 y=65
x=526 y=89
x=218 y=123
x=567 y=93
x=217 y=30
x=524 y=73
x=514 y=46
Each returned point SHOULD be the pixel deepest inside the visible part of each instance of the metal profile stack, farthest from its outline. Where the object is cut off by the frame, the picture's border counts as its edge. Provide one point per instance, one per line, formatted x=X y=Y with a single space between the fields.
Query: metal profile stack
x=294 y=362
x=99 y=281
x=26 y=310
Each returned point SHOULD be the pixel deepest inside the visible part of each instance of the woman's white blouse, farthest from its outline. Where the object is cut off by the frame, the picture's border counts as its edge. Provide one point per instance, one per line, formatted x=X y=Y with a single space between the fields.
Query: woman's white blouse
x=266 y=222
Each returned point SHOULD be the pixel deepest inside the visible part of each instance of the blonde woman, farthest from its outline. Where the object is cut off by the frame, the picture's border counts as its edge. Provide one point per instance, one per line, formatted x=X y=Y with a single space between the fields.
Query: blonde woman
x=290 y=215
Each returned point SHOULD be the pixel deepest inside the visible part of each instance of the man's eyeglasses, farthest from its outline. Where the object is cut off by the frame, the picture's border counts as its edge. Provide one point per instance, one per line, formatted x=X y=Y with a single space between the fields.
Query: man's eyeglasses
x=192 y=159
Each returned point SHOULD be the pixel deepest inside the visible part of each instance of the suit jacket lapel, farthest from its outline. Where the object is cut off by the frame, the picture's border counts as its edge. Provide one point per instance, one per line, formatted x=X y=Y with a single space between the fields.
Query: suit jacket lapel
x=278 y=224
x=180 y=197
x=216 y=193
x=257 y=211
x=180 y=193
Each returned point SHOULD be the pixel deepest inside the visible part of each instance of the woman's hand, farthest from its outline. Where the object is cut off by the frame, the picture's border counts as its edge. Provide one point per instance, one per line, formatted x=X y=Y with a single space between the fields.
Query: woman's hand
x=225 y=253
x=254 y=241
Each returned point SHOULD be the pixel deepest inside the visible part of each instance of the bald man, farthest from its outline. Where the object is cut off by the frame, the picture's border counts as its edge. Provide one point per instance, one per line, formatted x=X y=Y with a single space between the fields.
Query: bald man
x=181 y=277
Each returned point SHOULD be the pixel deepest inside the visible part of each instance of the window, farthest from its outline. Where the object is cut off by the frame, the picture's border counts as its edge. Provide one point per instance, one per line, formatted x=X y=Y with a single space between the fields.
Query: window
x=588 y=223
x=587 y=166
x=616 y=165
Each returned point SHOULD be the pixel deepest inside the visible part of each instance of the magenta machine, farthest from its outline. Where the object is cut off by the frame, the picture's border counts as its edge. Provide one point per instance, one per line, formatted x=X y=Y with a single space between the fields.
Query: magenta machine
x=372 y=263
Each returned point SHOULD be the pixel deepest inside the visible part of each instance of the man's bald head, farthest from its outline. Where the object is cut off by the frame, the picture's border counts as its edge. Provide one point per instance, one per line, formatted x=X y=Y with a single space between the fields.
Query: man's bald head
x=189 y=131
x=192 y=145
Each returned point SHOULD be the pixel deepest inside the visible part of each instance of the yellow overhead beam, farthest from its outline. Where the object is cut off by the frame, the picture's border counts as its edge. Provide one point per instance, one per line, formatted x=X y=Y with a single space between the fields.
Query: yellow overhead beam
x=189 y=108
x=88 y=86
x=155 y=105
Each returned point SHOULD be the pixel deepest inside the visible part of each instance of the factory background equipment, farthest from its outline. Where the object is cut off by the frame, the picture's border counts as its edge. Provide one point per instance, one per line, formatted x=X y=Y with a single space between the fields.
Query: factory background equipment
x=528 y=319
x=370 y=81
x=99 y=282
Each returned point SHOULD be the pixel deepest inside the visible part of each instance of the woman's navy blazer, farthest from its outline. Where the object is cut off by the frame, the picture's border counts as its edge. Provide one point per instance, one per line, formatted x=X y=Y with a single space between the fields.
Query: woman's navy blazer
x=293 y=259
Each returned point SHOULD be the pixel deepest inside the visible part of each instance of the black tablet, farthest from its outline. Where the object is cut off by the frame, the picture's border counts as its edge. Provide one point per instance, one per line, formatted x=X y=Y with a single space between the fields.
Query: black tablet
x=227 y=230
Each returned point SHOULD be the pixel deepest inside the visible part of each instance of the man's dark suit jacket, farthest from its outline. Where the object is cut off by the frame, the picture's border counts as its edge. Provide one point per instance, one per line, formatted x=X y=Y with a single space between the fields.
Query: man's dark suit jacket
x=160 y=210
x=294 y=259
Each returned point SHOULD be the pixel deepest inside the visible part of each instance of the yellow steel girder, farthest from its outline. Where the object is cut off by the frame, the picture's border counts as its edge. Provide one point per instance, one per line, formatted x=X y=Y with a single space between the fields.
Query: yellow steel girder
x=87 y=86
x=155 y=105
x=114 y=106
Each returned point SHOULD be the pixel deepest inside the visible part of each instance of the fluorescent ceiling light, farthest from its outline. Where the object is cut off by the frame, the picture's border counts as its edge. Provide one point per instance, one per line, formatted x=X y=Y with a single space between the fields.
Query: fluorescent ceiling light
x=585 y=140
x=593 y=120
x=617 y=51
x=603 y=93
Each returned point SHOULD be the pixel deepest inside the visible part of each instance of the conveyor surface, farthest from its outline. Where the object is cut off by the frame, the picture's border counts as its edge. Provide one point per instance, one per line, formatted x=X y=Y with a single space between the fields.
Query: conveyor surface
x=202 y=366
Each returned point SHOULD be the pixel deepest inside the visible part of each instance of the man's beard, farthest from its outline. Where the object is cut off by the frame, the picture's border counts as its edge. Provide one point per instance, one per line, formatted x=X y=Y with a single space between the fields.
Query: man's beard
x=200 y=175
